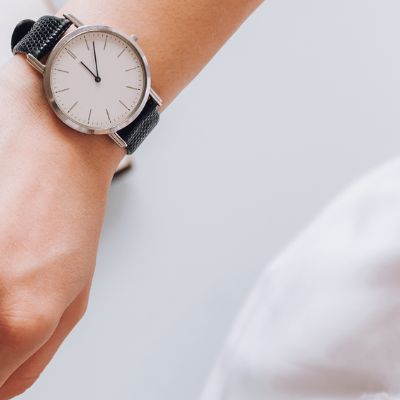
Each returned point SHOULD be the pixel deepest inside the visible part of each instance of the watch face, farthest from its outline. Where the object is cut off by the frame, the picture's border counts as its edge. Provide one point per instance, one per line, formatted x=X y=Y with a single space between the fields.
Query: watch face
x=97 y=80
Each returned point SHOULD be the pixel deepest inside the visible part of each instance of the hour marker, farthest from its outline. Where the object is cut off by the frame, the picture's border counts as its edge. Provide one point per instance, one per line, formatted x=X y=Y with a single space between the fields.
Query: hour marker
x=122 y=51
x=62 y=90
x=90 y=113
x=67 y=72
x=124 y=105
x=73 y=106
x=132 y=88
x=108 y=115
x=105 y=43
x=130 y=69
x=71 y=54
x=86 y=44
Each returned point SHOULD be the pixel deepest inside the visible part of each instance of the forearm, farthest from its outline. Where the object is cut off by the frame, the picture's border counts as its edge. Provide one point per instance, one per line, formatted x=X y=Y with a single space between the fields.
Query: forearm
x=179 y=37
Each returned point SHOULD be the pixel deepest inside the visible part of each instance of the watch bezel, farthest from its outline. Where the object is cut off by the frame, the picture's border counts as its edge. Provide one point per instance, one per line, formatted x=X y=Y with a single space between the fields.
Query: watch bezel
x=47 y=77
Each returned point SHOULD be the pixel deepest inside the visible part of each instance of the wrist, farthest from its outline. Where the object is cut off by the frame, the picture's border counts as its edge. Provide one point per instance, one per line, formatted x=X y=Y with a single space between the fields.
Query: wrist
x=31 y=124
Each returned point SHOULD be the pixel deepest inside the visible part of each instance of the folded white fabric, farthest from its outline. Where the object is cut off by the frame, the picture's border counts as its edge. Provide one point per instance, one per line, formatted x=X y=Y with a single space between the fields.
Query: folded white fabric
x=324 y=320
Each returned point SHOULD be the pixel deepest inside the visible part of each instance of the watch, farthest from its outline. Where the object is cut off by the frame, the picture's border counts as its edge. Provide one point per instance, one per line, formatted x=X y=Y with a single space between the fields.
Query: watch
x=96 y=78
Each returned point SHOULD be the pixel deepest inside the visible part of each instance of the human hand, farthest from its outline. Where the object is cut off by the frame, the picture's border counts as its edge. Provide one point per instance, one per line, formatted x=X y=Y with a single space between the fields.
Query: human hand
x=54 y=181
x=54 y=185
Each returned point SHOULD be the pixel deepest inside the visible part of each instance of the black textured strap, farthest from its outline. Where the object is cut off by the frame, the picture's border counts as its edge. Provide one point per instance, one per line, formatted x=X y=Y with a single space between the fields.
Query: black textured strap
x=38 y=38
x=137 y=131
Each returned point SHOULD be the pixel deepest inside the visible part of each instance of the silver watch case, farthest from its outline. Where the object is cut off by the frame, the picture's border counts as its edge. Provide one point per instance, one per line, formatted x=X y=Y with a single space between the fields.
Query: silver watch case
x=47 y=74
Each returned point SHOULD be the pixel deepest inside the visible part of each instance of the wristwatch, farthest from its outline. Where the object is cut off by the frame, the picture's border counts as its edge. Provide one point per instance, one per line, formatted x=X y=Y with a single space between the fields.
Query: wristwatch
x=96 y=78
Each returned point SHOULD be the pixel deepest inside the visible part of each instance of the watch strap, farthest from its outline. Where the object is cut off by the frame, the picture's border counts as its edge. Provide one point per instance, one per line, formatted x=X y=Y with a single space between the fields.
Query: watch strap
x=134 y=134
x=38 y=38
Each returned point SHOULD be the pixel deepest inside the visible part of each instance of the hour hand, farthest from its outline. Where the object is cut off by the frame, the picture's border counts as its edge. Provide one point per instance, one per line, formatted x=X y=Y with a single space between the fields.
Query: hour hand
x=96 y=78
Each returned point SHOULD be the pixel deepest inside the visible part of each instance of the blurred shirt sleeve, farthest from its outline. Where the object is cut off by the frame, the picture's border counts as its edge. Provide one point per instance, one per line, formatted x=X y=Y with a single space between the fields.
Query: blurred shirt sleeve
x=323 y=322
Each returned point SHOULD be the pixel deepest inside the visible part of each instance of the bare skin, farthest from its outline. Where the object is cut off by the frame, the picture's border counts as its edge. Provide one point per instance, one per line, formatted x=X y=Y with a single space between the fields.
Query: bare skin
x=54 y=181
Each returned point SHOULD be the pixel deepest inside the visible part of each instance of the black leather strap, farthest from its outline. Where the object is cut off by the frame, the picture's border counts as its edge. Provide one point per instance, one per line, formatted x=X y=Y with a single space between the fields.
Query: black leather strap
x=137 y=131
x=38 y=38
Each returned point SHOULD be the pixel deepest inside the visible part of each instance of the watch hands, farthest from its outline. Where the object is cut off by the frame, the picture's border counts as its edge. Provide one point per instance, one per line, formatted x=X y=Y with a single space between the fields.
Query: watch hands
x=97 y=79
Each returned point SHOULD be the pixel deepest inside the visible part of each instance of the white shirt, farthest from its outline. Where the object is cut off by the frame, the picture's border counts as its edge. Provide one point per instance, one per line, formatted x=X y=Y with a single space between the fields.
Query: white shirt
x=323 y=322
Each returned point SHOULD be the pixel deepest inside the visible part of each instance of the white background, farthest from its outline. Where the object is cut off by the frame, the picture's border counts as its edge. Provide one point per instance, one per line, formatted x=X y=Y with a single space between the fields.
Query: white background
x=303 y=99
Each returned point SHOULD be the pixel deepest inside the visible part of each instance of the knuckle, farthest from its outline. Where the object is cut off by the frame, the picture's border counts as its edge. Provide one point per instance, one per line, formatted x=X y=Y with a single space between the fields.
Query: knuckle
x=24 y=327
x=80 y=311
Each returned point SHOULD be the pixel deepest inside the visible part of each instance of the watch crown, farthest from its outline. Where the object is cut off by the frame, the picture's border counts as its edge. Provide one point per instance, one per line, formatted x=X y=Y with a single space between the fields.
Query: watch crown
x=134 y=37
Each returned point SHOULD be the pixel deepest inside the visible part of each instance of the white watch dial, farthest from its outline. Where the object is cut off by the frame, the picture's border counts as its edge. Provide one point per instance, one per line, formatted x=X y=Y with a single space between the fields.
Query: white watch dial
x=98 y=97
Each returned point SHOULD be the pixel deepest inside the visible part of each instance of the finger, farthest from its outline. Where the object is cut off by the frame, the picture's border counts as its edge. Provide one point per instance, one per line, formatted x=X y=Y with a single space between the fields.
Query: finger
x=27 y=373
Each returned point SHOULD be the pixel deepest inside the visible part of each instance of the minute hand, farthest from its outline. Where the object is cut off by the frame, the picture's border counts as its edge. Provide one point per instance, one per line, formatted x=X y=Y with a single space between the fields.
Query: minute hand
x=95 y=60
